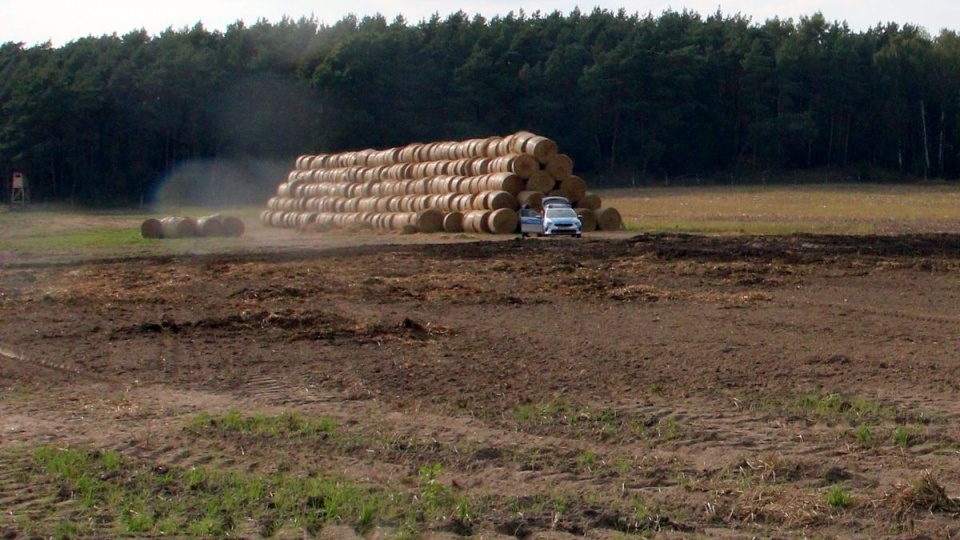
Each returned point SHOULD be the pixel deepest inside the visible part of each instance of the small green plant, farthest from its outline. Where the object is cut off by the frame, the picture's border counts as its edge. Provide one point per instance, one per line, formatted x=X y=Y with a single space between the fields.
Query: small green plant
x=865 y=436
x=435 y=497
x=137 y=521
x=526 y=412
x=65 y=530
x=669 y=429
x=902 y=437
x=839 y=497
x=561 y=501
x=587 y=460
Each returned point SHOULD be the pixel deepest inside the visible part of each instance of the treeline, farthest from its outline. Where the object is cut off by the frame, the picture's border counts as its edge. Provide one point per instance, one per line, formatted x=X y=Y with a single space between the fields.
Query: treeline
x=104 y=120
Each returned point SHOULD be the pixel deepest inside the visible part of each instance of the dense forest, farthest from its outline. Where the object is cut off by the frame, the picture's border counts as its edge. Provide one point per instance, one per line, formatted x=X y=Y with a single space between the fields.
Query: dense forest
x=104 y=120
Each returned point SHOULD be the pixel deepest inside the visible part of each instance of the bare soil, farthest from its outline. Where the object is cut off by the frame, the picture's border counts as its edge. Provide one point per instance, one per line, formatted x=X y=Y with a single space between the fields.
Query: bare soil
x=667 y=385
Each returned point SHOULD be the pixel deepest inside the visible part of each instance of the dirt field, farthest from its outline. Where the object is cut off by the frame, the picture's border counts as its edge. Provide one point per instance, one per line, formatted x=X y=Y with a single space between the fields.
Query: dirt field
x=670 y=386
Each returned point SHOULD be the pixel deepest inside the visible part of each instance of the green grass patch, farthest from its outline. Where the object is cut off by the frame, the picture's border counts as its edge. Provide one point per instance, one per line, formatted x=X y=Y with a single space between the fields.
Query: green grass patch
x=51 y=231
x=902 y=437
x=135 y=499
x=865 y=436
x=833 y=408
x=839 y=497
x=105 y=238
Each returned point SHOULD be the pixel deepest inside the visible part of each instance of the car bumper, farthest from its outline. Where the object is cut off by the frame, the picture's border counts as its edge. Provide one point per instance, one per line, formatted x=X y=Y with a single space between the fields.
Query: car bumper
x=572 y=231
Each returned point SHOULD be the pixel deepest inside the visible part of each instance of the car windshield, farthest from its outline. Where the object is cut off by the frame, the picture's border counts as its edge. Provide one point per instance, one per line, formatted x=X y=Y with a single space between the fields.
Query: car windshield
x=561 y=213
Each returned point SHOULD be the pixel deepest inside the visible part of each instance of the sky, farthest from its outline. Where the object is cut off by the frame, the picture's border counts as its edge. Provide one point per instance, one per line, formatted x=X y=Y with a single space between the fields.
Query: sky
x=34 y=22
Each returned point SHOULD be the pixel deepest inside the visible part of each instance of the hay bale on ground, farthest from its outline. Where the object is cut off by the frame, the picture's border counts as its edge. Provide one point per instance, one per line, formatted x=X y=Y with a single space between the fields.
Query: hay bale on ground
x=210 y=226
x=233 y=226
x=429 y=221
x=503 y=221
x=178 y=227
x=588 y=218
x=453 y=222
x=151 y=228
x=609 y=219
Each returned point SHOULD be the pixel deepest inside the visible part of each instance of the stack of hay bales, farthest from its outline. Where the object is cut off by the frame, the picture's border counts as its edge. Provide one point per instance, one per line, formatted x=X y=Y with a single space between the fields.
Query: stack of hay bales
x=189 y=227
x=477 y=185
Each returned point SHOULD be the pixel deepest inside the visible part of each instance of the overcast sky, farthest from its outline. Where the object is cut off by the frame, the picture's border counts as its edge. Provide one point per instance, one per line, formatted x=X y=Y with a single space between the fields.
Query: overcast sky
x=61 y=21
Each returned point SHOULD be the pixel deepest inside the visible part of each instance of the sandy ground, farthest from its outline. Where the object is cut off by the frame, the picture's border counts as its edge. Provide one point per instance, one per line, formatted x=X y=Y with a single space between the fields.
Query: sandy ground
x=723 y=386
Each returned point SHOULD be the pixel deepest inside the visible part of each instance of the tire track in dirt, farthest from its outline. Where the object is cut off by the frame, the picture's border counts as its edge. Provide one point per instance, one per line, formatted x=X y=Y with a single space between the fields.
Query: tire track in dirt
x=12 y=354
x=847 y=309
x=270 y=390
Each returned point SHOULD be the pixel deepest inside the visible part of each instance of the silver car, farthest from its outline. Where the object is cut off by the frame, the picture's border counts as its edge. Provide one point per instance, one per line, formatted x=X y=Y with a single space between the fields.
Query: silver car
x=559 y=220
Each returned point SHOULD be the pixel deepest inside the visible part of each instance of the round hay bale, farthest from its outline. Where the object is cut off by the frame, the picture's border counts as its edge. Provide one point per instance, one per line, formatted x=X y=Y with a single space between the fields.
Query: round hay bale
x=575 y=186
x=430 y=221
x=517 y=140
x=483 y=146
x=541 y=148
x=560 y=167
x=453 y=222
x=508 y=182
x=178 y=227
x=210 y=226
x=490 y=147
x=524 y=165
x=501 y=199
x=233 y=227
x=609 y=219
x=502 y=221
x=476 y=221
x=446 y=202
x=468 y=221
x=481 y=166
x=323 y=223
x=588 y=218
x=591 y=201
x=303 y=163
x=540 y=181
x=152 y=228
x=305 y=220
x=409 y=229
x=534 y=199
x=461 y=202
